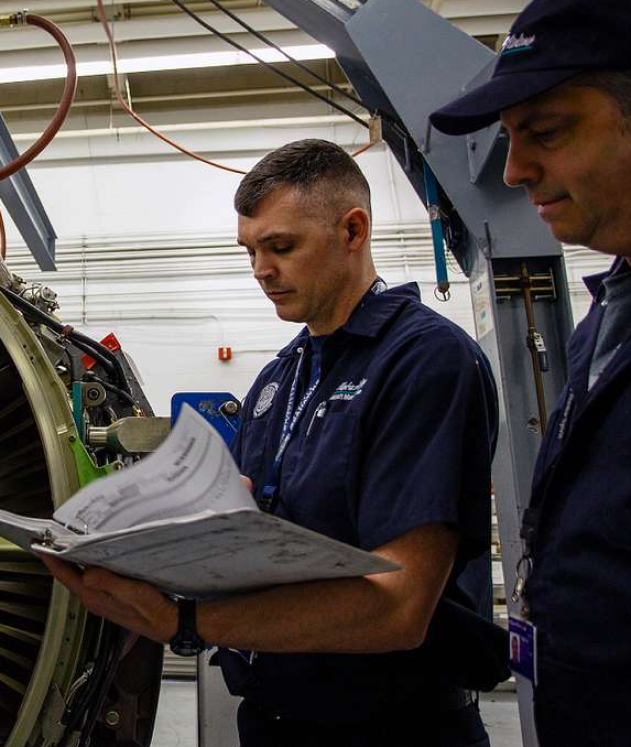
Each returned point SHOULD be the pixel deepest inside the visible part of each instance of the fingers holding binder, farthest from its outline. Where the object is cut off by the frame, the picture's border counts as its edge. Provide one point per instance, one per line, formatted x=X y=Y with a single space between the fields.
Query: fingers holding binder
x=131 y=604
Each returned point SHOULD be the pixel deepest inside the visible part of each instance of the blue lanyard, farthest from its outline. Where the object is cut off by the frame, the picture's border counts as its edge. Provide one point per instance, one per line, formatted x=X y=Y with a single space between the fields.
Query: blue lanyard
x=292 y=417
x=293 y=413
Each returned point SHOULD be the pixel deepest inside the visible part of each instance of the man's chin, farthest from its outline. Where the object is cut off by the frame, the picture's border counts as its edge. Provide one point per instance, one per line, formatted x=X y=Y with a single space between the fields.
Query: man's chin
x=563 y=235
x=568 y=234
x=575 y=236
x=287 y=315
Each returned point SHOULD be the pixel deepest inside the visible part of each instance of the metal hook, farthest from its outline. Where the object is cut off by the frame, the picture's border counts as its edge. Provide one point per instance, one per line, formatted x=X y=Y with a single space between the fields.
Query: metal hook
x=442 y=295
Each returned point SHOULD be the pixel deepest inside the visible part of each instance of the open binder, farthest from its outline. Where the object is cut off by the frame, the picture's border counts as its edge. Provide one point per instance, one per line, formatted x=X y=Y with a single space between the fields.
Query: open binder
x=182 y=520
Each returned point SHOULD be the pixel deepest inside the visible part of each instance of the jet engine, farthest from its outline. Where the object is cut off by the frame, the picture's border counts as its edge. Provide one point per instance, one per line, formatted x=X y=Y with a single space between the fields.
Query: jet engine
x=66 y=678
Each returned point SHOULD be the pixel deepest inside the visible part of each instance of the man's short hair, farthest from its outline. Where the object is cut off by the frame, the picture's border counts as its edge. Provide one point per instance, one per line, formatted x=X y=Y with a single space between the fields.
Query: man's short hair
x=614 y=83
x=318 y=168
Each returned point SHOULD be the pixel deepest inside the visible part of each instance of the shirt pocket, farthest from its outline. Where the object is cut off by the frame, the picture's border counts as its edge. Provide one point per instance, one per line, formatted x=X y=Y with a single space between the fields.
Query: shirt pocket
x=328 y=437
x=318 y=492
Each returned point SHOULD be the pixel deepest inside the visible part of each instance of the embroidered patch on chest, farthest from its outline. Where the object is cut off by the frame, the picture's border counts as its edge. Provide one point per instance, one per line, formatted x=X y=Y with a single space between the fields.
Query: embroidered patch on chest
x=266 y=399
x=348 y=390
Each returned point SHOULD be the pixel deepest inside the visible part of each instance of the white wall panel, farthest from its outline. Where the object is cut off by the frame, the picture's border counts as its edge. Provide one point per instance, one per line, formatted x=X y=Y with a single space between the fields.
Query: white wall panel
x=147 y=248
x=174 y=194
x=174 y=301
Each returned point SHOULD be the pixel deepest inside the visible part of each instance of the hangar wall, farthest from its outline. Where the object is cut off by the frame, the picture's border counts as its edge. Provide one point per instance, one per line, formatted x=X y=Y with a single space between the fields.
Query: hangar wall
x=147 y=249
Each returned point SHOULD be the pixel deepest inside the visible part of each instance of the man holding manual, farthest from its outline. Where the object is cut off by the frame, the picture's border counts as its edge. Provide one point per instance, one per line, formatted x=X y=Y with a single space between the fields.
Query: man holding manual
x=374 y=426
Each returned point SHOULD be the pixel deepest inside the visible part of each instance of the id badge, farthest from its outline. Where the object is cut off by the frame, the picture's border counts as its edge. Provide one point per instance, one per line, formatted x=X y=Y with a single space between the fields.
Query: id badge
x=522 y=637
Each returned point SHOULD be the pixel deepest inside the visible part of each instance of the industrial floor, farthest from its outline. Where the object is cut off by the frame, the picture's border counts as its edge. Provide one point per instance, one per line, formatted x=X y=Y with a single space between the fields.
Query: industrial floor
x=176 y=724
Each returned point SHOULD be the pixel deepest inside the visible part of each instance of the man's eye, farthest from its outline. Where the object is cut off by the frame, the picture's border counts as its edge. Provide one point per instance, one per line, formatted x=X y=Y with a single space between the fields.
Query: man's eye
x=282 y=249
x=546 y=136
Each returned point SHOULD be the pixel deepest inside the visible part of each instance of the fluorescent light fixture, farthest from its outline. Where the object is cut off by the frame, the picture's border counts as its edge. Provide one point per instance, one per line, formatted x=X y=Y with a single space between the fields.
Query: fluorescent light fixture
x=165 y=62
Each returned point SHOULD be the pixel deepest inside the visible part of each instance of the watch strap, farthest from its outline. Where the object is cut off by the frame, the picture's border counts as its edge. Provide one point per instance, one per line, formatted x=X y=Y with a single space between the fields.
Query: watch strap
x=187 y=642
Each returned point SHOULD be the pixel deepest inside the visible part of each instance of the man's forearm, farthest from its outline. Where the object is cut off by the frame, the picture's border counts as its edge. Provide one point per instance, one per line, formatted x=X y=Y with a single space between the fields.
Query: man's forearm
x=374 y=614
x=341 y=616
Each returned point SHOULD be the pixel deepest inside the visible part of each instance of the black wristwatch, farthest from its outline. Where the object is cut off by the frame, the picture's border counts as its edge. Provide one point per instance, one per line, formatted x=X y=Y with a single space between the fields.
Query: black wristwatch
x=186 y=642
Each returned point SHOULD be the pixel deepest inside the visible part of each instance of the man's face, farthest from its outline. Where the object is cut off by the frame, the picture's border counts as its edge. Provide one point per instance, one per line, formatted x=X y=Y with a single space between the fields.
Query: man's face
x=571 y=149
x=299 y=258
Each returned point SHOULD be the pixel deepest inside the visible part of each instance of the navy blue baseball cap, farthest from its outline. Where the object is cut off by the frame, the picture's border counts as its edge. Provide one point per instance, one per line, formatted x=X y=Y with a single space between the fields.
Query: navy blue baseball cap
x=550 y=42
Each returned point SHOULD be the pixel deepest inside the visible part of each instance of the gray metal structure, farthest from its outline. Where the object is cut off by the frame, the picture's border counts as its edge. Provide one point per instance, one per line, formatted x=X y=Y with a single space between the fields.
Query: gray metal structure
x=21 y=201
x=404 y=62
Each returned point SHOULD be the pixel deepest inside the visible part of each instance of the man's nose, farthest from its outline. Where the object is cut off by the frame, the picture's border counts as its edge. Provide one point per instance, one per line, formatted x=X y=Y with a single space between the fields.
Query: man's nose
x=263 y=268
x=521 y=168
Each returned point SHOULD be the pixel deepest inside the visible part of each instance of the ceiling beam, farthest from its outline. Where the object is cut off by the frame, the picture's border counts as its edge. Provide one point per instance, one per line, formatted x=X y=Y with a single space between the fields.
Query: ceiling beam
x=146 y=29
x=245 y=93
x=44 y=7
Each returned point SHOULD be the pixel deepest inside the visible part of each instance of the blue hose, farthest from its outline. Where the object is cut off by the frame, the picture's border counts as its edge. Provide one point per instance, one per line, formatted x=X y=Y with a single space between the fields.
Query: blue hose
x=433 y=208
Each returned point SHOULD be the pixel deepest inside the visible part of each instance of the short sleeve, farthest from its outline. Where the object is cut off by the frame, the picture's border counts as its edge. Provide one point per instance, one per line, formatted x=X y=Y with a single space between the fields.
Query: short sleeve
x=431 y=439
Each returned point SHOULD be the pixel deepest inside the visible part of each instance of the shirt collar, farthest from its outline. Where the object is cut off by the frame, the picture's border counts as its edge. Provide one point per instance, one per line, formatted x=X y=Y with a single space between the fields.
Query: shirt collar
x=594 y=283
x=369 y=317
x=375 y=311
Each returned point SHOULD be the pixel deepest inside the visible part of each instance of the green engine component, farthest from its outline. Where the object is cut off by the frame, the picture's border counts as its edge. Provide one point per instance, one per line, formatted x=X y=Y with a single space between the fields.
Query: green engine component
x=87 y=470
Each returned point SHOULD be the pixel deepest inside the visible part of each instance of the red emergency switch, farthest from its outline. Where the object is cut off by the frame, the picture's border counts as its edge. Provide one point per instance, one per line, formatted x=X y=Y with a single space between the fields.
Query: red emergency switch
x=225 y=353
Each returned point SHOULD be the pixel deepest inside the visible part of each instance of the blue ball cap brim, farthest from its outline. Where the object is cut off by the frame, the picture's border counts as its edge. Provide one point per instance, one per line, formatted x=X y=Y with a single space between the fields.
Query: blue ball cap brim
x=482 y=106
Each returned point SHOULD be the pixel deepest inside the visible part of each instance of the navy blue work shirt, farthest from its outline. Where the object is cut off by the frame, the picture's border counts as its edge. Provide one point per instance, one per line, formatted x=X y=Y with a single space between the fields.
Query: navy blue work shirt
x=399 y=433
x=580 y=588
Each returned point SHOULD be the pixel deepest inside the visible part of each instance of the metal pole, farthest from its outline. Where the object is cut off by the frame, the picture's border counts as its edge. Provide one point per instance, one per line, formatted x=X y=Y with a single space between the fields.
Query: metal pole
x=526 y=286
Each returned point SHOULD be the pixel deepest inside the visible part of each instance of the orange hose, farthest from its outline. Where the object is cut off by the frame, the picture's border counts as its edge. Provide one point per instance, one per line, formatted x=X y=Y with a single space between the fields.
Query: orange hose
x=363 y=149
x=146 y=125
x=64 y=106
x=140 y=120
x=3 y=238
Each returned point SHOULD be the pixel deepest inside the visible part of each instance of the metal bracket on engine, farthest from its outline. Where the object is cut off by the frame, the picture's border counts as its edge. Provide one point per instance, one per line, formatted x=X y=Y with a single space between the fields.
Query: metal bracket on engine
x=52 y=713
x=87 y=470
x=130 y=436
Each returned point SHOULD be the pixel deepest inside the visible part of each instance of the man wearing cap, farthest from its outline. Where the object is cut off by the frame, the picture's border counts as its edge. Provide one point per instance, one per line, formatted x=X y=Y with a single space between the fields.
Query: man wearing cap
x=562 y=89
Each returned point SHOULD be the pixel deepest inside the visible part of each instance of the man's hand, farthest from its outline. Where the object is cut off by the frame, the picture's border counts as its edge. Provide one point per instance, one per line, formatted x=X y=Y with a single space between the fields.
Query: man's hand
x=131 y=604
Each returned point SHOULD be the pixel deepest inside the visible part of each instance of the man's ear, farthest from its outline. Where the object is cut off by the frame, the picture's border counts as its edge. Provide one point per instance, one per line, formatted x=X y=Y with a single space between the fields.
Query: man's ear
x=356 y=227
